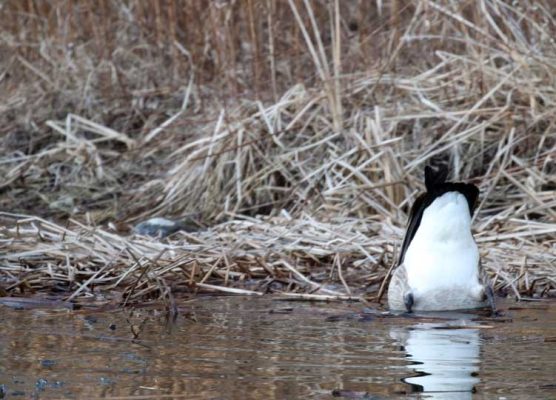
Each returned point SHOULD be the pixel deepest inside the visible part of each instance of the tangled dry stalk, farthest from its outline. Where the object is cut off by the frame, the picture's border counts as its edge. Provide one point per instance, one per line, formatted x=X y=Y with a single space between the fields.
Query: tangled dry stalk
x=295 y=132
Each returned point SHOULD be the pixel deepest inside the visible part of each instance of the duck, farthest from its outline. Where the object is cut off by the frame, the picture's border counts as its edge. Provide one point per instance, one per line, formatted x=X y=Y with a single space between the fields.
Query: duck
x=439 y=266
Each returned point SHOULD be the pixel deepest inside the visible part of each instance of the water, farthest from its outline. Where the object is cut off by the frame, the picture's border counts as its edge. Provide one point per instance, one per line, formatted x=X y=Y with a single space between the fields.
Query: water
x=259 y=348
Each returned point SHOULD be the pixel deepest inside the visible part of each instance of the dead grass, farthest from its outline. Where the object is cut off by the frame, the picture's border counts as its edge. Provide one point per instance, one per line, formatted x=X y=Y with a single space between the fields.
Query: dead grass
x=296 y=132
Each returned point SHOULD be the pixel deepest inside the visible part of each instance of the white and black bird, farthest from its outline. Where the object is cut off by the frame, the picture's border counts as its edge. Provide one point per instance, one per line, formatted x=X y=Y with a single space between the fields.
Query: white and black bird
x=439 y=266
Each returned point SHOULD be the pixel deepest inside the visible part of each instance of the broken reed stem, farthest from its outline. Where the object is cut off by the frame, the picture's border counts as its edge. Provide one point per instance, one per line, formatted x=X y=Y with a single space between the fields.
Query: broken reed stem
x=386 y=278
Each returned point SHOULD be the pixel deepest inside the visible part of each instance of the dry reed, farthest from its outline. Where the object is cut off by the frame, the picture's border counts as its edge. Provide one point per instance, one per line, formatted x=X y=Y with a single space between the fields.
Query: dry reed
x=294 y=131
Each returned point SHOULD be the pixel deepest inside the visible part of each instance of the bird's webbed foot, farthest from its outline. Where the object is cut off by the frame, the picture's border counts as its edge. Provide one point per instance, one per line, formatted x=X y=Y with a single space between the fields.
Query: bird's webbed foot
x=408 y=301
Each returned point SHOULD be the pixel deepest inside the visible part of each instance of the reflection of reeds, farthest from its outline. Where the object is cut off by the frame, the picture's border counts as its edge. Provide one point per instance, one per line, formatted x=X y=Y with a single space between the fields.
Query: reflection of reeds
x=115 y=111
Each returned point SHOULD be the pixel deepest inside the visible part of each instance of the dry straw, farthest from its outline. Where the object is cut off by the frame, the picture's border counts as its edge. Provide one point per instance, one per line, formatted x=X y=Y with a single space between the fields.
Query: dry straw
x=294 y=132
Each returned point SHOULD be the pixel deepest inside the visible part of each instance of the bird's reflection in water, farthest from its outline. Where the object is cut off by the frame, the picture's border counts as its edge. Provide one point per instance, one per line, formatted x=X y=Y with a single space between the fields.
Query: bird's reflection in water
x=445 y=358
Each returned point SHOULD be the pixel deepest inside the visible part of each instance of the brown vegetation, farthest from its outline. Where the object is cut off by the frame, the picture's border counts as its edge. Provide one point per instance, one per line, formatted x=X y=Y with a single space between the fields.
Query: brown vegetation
x=295 y=131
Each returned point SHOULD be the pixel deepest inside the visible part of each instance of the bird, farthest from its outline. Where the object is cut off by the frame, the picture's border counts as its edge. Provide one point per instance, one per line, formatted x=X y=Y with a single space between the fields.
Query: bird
x=439 y=266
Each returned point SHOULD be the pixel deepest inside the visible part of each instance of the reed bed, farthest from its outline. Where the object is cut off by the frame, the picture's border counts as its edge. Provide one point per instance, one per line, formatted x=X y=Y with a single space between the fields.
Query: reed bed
x=293 y=133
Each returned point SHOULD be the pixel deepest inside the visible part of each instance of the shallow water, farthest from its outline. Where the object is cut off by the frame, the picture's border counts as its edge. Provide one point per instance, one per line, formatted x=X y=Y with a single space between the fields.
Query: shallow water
x=260 y=348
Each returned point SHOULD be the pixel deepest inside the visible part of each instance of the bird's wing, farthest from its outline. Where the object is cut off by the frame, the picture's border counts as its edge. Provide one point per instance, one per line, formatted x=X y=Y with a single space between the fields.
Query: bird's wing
x=414 y=221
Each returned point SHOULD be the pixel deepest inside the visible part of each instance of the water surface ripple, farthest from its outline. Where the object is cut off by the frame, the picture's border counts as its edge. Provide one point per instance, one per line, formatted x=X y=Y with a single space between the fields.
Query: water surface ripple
x=260 y=348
